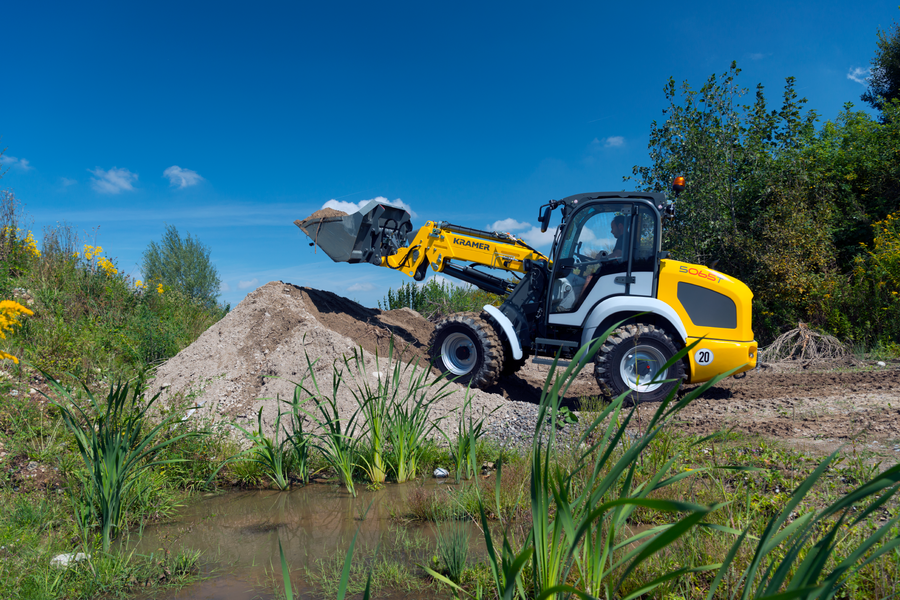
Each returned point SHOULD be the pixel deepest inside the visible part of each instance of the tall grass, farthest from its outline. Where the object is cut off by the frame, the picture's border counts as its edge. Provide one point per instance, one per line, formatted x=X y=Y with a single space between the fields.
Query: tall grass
x=452 y=537
x=397 y=411
x=89 y=316
x=463 y=446
x=579 y=543
x=437 y=299
x=269 y=453
x=339 y=440
x=116 y=444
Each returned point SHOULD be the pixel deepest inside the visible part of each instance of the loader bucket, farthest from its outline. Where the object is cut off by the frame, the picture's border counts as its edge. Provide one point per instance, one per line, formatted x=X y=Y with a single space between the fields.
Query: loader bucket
x=375 y=231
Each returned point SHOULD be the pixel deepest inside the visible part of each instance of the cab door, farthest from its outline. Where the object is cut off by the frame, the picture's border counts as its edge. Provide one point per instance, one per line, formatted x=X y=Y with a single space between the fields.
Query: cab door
x=609 y=249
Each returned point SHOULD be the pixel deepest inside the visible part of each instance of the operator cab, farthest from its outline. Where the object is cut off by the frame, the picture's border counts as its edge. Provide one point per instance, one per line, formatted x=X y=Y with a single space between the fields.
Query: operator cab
x=607 y=245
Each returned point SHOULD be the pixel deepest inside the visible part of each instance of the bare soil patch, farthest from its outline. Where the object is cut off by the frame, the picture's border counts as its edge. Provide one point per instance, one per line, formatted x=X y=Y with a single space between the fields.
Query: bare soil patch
x=250 y=358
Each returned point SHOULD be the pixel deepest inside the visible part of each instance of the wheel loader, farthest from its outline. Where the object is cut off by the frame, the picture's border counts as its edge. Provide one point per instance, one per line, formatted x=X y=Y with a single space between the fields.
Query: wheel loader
x=605 y=267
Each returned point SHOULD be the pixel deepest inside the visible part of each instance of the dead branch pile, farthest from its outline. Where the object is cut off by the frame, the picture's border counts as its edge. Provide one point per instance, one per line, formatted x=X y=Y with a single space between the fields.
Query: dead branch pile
x=806 y=346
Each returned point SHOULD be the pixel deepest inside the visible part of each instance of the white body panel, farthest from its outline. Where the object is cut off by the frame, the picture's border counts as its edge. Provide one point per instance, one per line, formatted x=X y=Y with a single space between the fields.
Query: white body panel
x=617 y=304
x=606 y=286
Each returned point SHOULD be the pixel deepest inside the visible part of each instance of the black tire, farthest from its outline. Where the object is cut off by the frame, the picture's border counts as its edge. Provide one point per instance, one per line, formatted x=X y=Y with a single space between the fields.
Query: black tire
x=632 y=347
x=466 y=348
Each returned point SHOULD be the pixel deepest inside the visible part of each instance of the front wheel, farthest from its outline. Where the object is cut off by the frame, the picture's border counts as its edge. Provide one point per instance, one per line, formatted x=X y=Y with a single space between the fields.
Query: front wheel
x=631 y=361
x=466 y=348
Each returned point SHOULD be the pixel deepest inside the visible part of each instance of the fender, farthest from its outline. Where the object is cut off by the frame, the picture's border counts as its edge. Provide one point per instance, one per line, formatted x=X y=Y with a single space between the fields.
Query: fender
x=630 y=304
x=507 y=327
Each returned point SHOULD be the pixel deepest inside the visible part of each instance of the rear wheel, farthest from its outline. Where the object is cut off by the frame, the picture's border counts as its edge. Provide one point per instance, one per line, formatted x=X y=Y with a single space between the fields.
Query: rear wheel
x=631 y=361
x=467 y=349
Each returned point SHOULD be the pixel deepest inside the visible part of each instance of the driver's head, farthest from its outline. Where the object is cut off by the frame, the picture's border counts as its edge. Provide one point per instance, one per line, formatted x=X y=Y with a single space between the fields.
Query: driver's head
x=618 y=226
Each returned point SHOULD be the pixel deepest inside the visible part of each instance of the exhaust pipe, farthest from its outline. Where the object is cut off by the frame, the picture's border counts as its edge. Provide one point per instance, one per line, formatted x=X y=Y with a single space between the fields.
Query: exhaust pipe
x=375 y=231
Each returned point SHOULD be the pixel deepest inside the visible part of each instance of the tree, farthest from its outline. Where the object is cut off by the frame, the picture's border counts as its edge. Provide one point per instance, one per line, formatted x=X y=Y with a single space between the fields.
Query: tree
x=183 y=265
x=884 y=83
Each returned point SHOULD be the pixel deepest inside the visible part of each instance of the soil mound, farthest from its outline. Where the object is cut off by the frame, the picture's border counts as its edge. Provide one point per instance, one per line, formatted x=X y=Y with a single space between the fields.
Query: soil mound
x=324 y=213
x=252 y=358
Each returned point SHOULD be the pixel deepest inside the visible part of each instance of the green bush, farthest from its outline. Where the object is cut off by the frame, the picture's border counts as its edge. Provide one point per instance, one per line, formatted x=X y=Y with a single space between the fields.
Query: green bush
x=182 y=264
x=436 y=299
x=89 y=319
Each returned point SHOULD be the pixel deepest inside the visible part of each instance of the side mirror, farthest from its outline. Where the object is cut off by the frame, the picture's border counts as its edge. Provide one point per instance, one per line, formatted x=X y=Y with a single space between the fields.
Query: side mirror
x=545 y=219
x=565 y=265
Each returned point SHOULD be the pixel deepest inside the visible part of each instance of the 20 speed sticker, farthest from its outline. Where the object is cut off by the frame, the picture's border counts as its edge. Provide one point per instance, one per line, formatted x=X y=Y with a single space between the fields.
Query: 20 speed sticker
x=703 y=357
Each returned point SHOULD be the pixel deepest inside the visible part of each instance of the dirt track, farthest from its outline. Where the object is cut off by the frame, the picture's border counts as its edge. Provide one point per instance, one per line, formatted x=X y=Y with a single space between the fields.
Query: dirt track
x=249 y=355
x=818 y=411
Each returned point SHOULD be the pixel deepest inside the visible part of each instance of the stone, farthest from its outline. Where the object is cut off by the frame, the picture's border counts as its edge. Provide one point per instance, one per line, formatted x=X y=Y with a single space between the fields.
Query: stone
x=62 y=561
x=441 y=473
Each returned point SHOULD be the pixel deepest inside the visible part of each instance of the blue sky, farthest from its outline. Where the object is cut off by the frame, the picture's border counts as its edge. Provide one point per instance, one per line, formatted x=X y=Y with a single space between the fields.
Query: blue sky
x=231 y=120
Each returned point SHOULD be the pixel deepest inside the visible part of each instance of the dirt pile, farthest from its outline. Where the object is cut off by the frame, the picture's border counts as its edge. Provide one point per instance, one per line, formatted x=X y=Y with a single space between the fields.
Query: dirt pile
x=316 y=218
x=250 y=358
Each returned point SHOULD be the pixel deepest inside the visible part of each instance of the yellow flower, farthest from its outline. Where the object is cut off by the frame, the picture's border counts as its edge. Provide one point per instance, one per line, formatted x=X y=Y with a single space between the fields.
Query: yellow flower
x=159 y=288
x=10 y=311
x=30 y=245
x=107 y=266
x=139 y=283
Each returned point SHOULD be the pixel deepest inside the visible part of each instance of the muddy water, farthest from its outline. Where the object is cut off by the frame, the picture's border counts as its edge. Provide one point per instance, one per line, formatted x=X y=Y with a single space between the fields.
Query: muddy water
x=238 y=534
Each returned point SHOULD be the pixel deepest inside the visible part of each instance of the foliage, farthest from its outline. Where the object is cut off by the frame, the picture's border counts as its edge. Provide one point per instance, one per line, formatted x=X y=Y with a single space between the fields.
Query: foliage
x=90 y=318
x=183 y=265
x=10 y=312
x=436 y=299
x=462 y=448
x=452 y=537
x=115 y=448
x=779 y=205
x=884 y=79
x=340 y=440
x=270 y=454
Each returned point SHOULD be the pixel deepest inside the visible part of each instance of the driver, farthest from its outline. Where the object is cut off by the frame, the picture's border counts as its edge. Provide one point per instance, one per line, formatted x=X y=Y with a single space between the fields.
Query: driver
x=618 y=230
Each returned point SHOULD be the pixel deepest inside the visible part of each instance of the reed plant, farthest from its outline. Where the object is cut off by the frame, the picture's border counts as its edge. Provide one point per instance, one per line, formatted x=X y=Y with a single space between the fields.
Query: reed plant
x=462 y=448
x=397 y=410
x=579 y=543
x=299 y=440
x=269 y=453
x=375 y=403
x=339 y=440
x=452 y=537
x=579 y=512
x=117 y=444
x=796 y=556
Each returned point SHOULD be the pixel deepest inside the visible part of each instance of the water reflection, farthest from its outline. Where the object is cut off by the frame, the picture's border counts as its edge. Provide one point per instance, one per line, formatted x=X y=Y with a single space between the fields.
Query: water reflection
x=238 y=534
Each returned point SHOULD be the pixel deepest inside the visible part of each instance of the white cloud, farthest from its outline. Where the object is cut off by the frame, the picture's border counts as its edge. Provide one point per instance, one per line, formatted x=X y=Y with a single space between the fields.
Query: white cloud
x=181 y=178
x=11 y=162
x=243 y=285
x=113 y=181
x=614 y=141
x=756 y=56
x=352 y=207
x=859 y=75
x=361 y=287
x=508 y=225
x=66 y=182
x=224 y=287
x=530 y=233
x=534 y=237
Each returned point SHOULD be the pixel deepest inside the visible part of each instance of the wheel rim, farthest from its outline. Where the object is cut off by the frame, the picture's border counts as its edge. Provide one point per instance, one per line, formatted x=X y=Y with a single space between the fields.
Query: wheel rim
x=640 y=366
x=459 y=353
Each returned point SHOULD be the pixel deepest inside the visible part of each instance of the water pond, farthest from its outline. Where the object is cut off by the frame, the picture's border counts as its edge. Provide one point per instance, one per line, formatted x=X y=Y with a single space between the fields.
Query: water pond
x=238 y=535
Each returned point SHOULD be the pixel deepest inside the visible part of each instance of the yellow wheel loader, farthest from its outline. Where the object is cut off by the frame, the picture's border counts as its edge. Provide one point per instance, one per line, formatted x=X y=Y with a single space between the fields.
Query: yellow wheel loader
x=605 y=267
